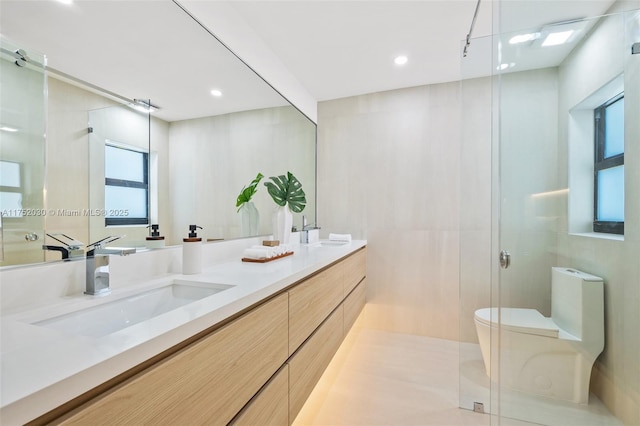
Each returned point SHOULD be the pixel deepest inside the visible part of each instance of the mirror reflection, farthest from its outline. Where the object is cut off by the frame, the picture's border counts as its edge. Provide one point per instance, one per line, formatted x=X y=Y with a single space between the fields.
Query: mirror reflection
x=216 y=126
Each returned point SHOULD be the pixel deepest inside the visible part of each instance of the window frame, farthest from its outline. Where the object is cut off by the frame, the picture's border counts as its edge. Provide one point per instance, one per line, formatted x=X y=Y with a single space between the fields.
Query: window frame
x=119 y=221
x=601 y=163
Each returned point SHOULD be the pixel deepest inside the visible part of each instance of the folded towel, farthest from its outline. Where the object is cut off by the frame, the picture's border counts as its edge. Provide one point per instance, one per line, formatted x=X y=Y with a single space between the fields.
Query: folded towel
x=272 y=251
x=340 y=237
x=256 y=253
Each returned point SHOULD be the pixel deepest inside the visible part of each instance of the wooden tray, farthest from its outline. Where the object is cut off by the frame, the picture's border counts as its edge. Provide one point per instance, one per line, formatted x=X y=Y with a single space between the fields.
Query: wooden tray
x=280 y=256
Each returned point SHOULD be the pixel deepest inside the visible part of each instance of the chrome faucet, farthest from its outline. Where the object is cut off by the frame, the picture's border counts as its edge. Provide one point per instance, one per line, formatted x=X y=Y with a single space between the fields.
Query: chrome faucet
x=72 y=247
x=306 y=228
x=97 y=273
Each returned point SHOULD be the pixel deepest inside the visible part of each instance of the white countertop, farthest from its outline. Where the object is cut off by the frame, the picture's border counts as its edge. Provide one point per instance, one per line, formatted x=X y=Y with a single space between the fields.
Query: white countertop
x=43 y=368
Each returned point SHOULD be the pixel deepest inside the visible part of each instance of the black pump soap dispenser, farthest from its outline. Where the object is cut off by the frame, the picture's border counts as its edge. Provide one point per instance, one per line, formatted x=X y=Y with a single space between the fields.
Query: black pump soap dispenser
x=155 y=240
x=192 y=252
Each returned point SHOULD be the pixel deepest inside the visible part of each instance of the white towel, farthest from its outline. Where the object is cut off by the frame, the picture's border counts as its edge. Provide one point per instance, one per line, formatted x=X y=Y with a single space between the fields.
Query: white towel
x=272 y=251
x=256 y=253
x=340 y=237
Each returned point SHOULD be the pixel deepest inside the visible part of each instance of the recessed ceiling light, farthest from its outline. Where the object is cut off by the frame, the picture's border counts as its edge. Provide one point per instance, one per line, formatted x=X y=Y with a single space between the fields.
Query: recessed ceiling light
x=523 y=38
x=216 y=93
x=503 y=67
x=554 y=39
x=401 y=60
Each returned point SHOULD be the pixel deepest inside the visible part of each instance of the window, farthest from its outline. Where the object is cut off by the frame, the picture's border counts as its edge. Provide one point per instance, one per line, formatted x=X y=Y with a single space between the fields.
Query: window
x=10 y=189
x=126 y=198
x=608 y=187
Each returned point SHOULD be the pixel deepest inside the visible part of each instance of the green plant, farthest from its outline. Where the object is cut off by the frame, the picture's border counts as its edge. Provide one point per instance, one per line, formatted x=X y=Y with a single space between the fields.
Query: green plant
x=247 y=192
x=287 y=189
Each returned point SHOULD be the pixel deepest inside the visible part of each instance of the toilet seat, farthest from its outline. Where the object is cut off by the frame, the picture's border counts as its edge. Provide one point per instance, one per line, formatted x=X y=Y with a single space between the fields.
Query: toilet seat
x=528 y=321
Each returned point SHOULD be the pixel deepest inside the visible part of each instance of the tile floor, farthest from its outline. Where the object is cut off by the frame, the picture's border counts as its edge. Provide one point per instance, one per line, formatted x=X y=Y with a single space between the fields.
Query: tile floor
x=383 y=378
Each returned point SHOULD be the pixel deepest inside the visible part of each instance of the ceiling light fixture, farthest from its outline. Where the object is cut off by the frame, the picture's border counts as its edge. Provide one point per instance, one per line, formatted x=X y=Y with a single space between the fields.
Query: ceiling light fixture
x=401 y=60
x=555 y=39
x=523 y=38
x=503 y=67
x=217 y=93
x=144 y=106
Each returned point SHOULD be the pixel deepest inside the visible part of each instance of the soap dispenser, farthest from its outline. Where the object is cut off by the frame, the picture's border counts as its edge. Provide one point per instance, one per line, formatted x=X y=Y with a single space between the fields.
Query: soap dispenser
x=192 y=252
x=155 y=240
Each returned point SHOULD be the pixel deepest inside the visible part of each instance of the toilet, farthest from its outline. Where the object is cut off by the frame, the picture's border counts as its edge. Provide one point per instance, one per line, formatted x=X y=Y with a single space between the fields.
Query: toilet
x=553 y=356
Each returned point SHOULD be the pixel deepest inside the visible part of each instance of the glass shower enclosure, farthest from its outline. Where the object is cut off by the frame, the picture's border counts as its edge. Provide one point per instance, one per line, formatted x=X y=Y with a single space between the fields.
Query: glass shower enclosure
x=22 y=154
x=533 y=195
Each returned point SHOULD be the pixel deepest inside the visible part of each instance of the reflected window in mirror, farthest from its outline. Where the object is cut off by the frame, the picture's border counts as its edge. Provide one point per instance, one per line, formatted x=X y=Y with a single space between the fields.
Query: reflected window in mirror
x=10 y=189
x=126 y=186
x=609 y=167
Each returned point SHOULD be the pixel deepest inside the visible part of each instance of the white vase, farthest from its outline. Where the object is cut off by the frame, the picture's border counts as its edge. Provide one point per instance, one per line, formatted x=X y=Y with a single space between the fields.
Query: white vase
x=282 y=223
x=249 y=219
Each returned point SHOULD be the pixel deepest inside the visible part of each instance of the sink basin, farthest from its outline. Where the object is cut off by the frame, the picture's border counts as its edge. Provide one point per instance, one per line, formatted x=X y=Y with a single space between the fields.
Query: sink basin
x=332 y=243
x=113 y=316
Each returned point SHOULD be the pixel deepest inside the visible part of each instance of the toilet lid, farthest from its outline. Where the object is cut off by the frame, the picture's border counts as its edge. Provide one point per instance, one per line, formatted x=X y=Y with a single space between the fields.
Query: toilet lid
x=528 y=321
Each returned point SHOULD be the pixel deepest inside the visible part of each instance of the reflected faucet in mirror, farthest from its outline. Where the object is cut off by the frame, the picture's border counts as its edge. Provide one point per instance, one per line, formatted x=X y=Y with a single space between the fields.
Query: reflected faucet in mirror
x=71 y=248
x=97 y=265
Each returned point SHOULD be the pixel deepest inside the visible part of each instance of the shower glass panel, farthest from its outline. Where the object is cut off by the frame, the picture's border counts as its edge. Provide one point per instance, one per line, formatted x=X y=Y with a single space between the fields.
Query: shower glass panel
x=22 y=154
x=545 y=142
x=477 y=89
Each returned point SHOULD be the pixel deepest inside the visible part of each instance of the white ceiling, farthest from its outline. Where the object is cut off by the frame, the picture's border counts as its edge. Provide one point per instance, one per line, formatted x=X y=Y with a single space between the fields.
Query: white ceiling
x=141 y=49
x=345 y=48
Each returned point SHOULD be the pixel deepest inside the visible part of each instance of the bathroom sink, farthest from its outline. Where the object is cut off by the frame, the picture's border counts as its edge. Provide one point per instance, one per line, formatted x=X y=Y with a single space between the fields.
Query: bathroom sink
x=113 y=316
x=332 y=243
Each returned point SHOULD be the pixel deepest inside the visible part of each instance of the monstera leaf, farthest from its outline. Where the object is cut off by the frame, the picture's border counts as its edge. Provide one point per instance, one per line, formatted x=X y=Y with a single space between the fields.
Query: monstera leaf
x=287 y=189
x=247 y=192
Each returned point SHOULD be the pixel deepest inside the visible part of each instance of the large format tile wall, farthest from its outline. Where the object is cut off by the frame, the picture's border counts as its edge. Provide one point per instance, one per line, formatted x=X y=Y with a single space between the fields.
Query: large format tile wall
x=606 y=54
x=393 y=171
x=389 y=167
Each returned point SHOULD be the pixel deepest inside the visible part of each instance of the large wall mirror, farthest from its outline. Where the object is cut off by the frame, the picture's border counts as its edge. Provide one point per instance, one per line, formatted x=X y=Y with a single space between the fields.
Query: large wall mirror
x=216 y=124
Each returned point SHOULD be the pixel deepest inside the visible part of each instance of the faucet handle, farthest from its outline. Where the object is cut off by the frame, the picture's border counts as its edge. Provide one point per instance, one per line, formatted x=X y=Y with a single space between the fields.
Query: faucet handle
x=71 y=243
x=103 y=242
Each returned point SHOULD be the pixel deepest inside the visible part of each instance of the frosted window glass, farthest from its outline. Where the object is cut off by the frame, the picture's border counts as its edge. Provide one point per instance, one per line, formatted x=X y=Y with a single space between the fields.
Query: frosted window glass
x=611 y=194
x=123 y=164
x=11 y=204
x=122 y=202
x=9 y=174
x=614 y=132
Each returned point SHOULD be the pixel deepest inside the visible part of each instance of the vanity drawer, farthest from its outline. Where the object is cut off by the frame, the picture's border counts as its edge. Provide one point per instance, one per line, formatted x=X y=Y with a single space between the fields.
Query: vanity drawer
x=206 y=383
x=311 y=301
x=355 y=269
x=270 y=406
x=353 y=305
x=309 y=362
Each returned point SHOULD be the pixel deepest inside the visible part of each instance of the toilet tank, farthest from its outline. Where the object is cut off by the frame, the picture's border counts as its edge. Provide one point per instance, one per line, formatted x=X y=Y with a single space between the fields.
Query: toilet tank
x=577 y=303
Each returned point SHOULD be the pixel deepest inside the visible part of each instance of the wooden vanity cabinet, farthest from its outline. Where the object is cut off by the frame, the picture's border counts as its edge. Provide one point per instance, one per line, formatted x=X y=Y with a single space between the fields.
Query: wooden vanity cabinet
x=354 y=270
x=311 y=302
x=206 y=383
x=258 y=369
x=353 y=305
x=309 y=362
x=270 y=406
